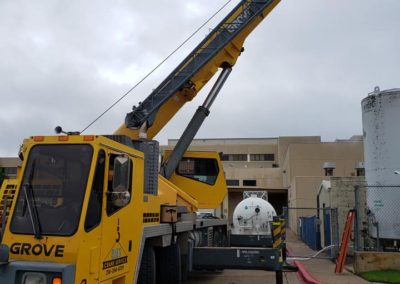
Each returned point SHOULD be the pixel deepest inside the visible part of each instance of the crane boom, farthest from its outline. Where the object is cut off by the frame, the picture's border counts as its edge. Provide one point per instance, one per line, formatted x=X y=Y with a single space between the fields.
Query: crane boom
x=221 y=47
x=108 y=212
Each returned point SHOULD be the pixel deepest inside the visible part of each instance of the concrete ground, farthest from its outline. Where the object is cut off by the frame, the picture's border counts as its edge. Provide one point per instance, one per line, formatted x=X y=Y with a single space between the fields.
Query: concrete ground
x=312 y=271
x=229 y=276
x=322 y=270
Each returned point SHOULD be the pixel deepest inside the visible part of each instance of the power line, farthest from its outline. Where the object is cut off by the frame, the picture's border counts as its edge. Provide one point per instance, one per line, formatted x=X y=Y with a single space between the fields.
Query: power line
x=156 y=67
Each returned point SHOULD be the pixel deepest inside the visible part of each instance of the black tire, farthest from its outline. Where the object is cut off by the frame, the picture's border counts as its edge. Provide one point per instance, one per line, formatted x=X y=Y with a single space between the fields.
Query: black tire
x=184 y=267
x=147 y=272
x=224 y=240
x=220 y=239
x=169 y=265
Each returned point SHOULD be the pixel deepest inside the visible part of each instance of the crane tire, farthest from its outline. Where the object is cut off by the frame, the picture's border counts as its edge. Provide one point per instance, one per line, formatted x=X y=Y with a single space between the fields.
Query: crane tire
x=169 y=265
x=147 y=272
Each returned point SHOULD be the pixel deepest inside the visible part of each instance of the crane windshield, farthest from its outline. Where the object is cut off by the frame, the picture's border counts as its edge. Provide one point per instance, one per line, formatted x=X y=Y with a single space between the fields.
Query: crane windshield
x=56 y=177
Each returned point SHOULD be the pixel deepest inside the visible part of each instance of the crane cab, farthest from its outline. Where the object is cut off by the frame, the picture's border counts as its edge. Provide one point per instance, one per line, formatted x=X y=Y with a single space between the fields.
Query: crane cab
x=75 y=210
x=81 y=203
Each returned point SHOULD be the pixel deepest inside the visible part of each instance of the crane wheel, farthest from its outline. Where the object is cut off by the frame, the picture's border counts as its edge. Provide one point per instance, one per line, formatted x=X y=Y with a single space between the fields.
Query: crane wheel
x=147 y=272
x=169 y=265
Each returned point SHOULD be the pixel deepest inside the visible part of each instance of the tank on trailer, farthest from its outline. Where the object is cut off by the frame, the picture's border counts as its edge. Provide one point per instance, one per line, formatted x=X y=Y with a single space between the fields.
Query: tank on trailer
x=252 y=219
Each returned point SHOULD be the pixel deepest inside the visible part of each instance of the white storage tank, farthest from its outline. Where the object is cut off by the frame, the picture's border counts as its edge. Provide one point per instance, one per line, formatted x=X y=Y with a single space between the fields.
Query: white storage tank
x=381 y=130
x=252 y=216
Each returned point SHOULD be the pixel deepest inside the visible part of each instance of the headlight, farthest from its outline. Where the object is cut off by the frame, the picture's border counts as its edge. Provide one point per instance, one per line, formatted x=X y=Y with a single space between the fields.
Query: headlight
x=34 y=278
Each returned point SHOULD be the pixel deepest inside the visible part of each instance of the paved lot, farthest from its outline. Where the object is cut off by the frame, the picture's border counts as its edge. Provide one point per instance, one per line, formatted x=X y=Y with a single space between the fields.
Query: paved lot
x=229 y=276
x=322 y=270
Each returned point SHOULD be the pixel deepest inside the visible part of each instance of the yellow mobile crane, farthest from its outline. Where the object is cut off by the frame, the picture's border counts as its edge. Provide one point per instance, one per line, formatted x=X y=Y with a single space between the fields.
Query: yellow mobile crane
x=97 y=209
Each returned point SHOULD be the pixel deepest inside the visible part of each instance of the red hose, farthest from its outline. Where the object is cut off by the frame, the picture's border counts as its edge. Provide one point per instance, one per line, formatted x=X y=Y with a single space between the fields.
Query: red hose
x=302 y=274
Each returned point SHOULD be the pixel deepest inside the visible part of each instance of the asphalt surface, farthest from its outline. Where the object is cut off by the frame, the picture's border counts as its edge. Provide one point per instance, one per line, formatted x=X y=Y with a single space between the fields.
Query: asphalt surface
x=310 y=271
x=229 y=276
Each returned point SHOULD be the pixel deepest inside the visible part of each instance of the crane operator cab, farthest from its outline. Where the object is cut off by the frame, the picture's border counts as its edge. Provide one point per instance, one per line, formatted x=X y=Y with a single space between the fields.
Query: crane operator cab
x=71 y=202
x=52 y=190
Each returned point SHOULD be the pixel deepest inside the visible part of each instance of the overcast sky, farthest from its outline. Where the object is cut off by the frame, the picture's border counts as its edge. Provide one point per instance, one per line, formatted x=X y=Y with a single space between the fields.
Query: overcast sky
x=304 y=71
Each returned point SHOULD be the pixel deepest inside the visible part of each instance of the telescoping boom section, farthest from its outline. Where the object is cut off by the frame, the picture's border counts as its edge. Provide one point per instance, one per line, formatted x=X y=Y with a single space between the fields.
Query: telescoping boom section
x=220 y=48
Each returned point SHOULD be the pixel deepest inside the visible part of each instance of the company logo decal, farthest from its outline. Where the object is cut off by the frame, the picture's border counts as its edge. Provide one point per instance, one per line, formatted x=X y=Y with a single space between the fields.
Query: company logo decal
x=37 y=249
x=116 y=258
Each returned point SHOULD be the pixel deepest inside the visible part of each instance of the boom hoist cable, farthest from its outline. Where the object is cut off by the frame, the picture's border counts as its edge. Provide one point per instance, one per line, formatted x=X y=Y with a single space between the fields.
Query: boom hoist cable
x=157 y=66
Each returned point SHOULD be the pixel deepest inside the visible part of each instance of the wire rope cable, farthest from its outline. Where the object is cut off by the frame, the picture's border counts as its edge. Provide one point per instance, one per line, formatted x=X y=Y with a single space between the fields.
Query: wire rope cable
x=156 y=67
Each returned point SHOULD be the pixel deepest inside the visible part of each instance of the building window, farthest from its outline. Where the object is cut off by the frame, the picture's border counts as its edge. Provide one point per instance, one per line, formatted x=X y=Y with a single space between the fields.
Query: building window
x=232 y=182
x=262 y=157
x=10 y=171
x=249 y=182
x=234 y=157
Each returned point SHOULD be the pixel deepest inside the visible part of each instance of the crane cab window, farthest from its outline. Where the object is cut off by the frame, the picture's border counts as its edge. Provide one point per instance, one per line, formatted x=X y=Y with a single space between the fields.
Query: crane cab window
x=119 y=187
x=201 y=169
x=52 y=190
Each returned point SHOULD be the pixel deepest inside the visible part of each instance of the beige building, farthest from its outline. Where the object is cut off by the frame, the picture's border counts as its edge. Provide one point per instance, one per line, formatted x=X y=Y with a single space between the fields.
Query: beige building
x=290 y=169
x=303 y=171
x=9 y=167
x=250 y=164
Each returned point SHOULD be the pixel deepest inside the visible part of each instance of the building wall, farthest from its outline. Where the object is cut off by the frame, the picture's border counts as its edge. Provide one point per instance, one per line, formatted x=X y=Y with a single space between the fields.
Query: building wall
x=266 y=178
x=266 y=174
x=9 y=168
x=302 y=194
x=341 y=195
x=294 y=175
x=308 y=159
x=303 y=171
x=285 y=141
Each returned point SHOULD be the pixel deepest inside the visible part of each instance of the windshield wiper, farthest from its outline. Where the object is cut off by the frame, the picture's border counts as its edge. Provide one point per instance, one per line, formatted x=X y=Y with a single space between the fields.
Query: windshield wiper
x=32 y=210
x=30 y=201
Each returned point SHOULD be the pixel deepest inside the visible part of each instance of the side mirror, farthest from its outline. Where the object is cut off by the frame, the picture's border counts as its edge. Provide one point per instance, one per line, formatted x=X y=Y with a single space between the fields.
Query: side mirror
x=121 y=180
x=122 y=170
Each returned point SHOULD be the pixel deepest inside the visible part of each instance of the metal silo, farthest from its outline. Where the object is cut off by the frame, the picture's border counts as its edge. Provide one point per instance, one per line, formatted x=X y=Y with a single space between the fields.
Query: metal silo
x=381 y=129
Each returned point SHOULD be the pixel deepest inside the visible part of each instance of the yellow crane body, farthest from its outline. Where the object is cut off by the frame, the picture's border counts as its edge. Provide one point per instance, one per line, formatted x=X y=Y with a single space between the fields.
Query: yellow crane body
x=101 y=209
x=97 y=249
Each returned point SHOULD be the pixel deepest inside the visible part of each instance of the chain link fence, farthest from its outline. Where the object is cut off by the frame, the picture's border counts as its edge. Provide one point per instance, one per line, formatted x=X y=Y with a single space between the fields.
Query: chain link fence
x=378 y=226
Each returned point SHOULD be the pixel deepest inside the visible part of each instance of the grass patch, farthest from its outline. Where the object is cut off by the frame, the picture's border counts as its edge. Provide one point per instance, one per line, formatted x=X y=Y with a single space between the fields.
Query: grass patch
x=385 y=276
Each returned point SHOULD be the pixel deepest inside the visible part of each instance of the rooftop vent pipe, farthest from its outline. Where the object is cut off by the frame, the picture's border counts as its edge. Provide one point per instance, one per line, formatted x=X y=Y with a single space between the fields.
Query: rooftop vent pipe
x=360 y=169
x=329 y=167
